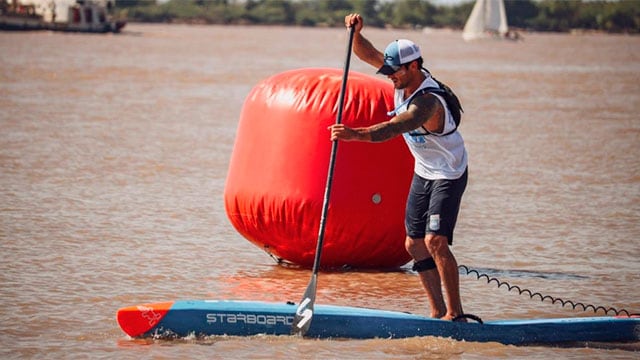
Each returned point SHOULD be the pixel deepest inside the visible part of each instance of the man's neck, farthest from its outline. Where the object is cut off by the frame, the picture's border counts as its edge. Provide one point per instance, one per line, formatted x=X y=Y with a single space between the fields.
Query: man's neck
x=415 y=84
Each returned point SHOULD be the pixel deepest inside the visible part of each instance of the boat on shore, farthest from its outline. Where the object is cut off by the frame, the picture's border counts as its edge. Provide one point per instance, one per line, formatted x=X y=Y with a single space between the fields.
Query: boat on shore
x=90 y=16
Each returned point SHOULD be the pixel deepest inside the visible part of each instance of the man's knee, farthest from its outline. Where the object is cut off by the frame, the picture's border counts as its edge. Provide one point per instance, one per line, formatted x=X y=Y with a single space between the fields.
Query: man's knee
x=411 y=245
x=416 y=248
x=436 y=244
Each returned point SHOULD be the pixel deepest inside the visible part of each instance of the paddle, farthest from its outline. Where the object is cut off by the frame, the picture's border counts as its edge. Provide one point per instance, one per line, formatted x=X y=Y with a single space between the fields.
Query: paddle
x=304 y=313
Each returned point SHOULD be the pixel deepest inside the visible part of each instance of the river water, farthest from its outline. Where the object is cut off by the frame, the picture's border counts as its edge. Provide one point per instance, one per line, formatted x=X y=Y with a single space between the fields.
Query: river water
x=114 y=151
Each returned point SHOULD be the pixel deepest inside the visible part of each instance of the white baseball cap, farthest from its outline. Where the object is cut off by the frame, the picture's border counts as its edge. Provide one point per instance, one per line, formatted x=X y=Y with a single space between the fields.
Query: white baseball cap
x=397 y=53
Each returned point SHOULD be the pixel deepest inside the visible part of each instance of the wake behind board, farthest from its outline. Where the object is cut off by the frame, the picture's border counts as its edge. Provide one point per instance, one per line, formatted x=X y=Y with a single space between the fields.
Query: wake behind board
x=247 y=318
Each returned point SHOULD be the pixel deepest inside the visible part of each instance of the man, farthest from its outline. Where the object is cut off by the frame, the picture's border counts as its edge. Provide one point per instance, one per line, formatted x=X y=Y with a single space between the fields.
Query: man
x=440 y=172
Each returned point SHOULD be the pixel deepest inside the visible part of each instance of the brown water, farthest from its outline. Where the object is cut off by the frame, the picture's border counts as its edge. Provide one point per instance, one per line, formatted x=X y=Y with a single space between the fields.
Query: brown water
x=114 y=152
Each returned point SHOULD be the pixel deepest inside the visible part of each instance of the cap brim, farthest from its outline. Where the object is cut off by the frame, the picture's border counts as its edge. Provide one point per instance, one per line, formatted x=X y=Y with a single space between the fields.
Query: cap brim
x=387 y=70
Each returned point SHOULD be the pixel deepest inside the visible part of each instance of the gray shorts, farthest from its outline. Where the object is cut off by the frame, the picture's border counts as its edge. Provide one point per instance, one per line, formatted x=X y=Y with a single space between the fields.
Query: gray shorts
x=433 y=206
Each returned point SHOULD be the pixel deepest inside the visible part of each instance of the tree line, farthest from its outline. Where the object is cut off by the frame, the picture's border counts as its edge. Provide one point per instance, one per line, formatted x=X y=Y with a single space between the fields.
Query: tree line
x=621 y=16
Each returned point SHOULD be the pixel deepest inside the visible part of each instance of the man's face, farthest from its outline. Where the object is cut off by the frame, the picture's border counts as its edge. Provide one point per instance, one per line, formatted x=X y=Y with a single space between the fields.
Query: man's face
x=399 y=78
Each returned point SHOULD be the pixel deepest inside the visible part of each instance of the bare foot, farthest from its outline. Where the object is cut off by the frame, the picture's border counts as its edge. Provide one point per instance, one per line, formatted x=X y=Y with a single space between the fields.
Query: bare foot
x=454 y=317
x=437 y=315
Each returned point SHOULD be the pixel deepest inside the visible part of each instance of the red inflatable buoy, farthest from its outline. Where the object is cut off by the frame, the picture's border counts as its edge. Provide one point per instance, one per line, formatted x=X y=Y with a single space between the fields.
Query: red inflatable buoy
x=278 y=172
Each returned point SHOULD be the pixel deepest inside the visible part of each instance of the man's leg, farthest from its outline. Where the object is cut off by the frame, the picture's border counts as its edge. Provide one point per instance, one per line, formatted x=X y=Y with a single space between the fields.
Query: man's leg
x=447 y=267
x=444 y=206
x=429 y=276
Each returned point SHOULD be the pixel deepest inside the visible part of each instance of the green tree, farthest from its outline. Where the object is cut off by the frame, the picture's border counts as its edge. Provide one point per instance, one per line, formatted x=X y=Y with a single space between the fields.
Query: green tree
x=412 y=13
x=335 y=11
x=452 y=16
x=623 y=18
x=271 y=12
x=520 y=12
x=541 y=15
x=370 y=10
x=135 y=3
x=556 y=15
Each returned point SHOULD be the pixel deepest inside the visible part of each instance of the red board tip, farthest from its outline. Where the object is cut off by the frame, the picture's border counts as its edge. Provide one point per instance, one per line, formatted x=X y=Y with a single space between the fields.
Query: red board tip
x=139 y=319
x=632 y=316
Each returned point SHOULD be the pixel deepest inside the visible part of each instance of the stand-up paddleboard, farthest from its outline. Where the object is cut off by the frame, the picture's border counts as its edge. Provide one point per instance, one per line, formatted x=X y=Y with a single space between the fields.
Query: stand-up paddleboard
x=247 y=318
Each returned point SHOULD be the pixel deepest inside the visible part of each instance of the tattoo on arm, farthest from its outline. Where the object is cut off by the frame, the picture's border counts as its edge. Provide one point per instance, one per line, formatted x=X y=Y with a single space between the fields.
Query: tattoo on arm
x=421 y=111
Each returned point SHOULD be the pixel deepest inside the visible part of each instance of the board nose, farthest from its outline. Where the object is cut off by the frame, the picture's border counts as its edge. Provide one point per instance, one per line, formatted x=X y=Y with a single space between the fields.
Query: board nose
x=139 y=319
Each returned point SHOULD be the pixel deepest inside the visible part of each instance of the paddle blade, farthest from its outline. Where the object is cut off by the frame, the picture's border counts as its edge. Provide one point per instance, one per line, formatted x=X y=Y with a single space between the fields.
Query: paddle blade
x=304 y=312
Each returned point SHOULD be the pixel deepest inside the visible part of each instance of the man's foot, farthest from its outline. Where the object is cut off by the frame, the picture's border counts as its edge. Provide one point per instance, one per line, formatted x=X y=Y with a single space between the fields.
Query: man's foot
x=437 y=315
x=454 y=317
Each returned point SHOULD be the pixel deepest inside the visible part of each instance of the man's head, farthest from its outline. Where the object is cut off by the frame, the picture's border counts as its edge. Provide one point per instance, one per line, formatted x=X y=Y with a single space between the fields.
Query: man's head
x=397 y=53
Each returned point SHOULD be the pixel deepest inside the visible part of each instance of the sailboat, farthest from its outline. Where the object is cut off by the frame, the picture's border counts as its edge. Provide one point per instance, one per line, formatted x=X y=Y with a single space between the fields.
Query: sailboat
x=488 y=19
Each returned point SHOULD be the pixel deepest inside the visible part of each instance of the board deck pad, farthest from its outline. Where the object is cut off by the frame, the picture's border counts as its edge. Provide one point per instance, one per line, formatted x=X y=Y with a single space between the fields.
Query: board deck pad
x=247 y=318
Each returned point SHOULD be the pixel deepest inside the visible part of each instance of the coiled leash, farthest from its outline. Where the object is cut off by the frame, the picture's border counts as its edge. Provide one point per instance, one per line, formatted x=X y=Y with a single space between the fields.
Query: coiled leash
x=574 y=305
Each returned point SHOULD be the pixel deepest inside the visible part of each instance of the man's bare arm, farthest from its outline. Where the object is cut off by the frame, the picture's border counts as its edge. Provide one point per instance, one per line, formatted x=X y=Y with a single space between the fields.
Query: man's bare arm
x=364 y=50
x=361 y=46
x=423 y=111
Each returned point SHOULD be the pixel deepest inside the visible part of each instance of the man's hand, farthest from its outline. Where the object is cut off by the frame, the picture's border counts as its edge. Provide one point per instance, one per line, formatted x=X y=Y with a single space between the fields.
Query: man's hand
x=342 y=132
x=354 y=20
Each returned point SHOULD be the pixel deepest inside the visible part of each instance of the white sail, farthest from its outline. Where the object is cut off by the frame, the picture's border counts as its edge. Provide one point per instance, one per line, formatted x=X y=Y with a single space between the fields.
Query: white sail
x=488 y=18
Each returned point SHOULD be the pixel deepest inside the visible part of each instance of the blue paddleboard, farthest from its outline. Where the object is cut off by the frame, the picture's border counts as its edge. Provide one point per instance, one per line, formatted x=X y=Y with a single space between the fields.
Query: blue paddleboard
x=247 y=318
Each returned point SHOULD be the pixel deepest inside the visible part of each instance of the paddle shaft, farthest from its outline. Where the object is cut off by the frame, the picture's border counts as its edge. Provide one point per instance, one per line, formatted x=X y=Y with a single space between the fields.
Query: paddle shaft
x=304 y=313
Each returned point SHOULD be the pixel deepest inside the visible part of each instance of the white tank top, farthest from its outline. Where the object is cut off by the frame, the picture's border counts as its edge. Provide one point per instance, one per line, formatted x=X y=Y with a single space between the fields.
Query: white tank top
x=436 y=157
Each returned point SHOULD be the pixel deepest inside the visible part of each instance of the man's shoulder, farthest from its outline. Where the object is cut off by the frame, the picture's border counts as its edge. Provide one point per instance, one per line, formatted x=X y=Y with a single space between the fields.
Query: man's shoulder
x=426 y=99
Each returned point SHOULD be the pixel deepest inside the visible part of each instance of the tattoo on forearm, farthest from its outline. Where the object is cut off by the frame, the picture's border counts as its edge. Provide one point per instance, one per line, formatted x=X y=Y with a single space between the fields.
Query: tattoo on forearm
x=383 y=131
